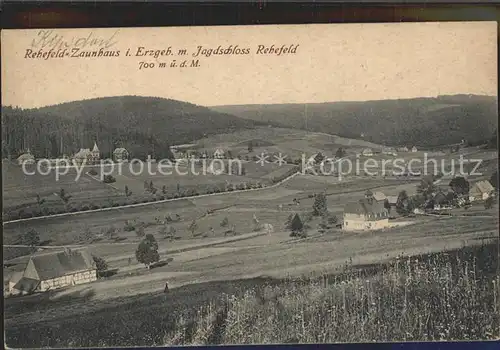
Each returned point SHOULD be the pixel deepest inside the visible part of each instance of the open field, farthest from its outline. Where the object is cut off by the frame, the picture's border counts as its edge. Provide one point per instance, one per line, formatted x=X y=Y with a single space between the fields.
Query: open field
x=193 y=177
x=89 y=192
x=20 y=190
x=155 y=318
x=291 y=142
x=263 y=203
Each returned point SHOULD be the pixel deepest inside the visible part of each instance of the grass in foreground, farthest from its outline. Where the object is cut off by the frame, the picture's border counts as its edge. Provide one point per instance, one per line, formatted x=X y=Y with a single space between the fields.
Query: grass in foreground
x=452 y=295
x=438 y=297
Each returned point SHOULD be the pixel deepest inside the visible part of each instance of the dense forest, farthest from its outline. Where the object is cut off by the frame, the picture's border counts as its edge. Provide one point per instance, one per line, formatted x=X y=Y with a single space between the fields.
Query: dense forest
x=143 y=125
x=420 y=121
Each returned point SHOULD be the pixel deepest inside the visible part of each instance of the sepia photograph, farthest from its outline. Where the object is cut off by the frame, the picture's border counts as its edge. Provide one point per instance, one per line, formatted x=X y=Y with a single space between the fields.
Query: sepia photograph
x=258 y=184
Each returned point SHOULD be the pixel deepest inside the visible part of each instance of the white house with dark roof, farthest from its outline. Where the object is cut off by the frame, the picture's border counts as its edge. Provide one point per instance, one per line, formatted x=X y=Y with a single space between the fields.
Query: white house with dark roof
x=365 y=214
x=55 y=270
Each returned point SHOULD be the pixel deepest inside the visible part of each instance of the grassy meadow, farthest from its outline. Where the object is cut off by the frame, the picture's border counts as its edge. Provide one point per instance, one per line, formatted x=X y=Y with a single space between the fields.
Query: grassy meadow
x=450 y=295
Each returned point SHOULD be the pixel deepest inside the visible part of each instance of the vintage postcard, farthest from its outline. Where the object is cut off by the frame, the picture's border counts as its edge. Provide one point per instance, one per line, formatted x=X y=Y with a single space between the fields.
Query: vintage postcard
x=320 y=183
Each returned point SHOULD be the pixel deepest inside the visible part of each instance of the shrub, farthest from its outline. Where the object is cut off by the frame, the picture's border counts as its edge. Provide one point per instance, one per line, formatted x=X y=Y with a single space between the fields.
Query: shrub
x=92 y=172
x=128 y=226
x=319 y=206
x=108 y=179
x=140 y=231
x=100 y=263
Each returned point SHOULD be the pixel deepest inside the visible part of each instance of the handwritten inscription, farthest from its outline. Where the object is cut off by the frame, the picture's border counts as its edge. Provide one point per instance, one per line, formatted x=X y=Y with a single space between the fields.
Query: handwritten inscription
x=49 y=44
x=49 y=39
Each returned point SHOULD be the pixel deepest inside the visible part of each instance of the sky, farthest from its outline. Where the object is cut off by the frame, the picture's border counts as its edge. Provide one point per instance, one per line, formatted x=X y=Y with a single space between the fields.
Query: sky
x=332 y=62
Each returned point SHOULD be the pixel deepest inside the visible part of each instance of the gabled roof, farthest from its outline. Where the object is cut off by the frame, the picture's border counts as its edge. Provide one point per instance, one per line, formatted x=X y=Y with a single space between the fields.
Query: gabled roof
x=25 y=156
x=379 y=196
x=120 y=150
x=365 y=207
x=95 y=149
x=82 y=153
x=26 y=284
x=392 y=199
x=483 y=186
x=440 y=197
x=57 y=264
x=16 y=276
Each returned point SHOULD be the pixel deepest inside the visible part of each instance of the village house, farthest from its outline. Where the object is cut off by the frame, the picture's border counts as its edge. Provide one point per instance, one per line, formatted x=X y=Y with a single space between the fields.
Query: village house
x=414 y=149
x=365 y=214
x=120 y=155
x=219 y=153
x=88 y=156
x=481 y=190
x=403 y=149
x=389 y=151
x=183 y=151
x=311 y=160
x=439 y=201
x=26 y=158
x=393 y=200
x=379 y=196
x=367 y=152
x=83 y=155
x=54 y=270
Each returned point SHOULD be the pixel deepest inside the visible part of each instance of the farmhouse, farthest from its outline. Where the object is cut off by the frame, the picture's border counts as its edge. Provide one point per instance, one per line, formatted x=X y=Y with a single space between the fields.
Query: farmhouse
x=26 y=158
x=480 y=191
x=365 y=214
x=120 y=154
x=54 y=270
x=183 y=151
x=219 y=153
x=367 y=152
x=312 y=159
x=389 y=151
x=438 y=201
x=403 y=149
x=392 y=200
x=379 y=196
x=414 y=149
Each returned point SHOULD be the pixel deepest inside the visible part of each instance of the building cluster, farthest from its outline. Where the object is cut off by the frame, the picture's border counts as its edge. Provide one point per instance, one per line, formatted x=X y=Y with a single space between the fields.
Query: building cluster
x=84 y=155
x=372 y=212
